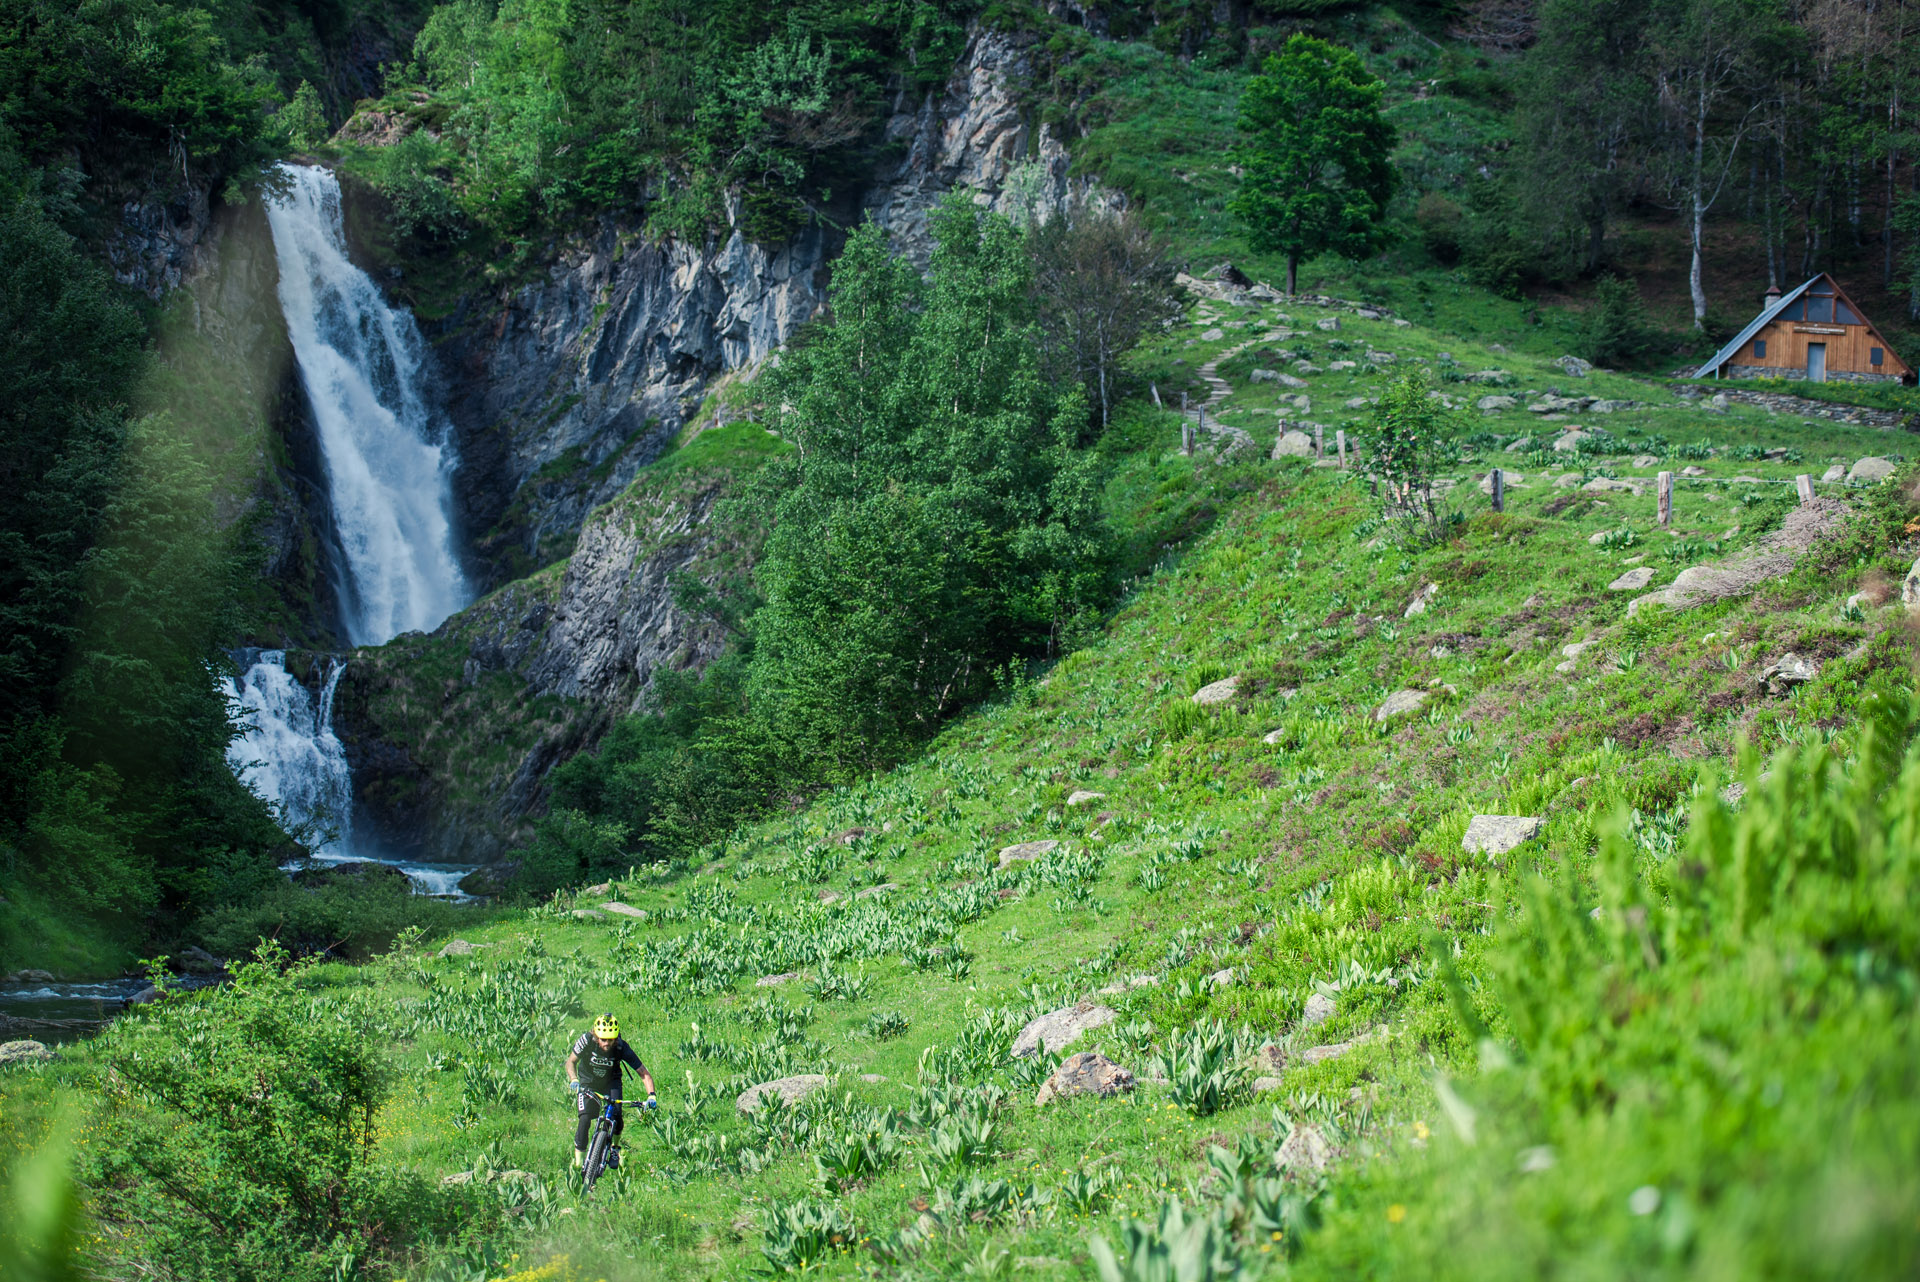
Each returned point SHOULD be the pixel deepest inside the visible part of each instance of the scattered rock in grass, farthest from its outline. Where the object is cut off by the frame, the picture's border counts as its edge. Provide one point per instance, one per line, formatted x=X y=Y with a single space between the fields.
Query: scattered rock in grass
x=1220 y=691
x=1293 y=444
x=145 y=995
x=1320 y=1054
x=790 y=1089
x=774 y=981
x=622 y=910
x=1494 y=404
x=1716 y=404
x=1574 y=367
x=881 y=889
x=1910 y=588
x=1569 y=442
x=1273 y=1056
x=1566 y=480
x=1692 y=470
x=1304 y=367
x=604 y=888
x=1747 y=480
x=828 y=896
x=24 y=1051
x=1609 y=407
x=1058 y=1029
x=873 y=1078
x=1598 y=537
x=1497 y=834
x=1342 y=367
x=1221 y=978
x=457 y=1179
x=1213 y=336
x=1608 y=485
x=1871 y=468
x=1633 y=580
x=1319 y=1009
x=588 y=914
x=1261 y=1085
x=1088 y=1073
x=1306 y=1149
x=1399 y=703
x=1837 y=472
x=1401 y=322
x=1645 y=460
x=457 y=948
x=1774 y=556
x=1421 y=600
x=1328 y=324
x=1786 y=672
x=1129 y=984
x=1025 y=850
x=1082 y=797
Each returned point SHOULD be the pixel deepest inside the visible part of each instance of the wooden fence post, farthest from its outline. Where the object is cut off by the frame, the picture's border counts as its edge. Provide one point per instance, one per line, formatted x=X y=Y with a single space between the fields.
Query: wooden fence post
x=1319 y=442
x=1664 y=484
x=1155 y=389
x=1340 y=442
x=1499 y=490
x=1804 y=484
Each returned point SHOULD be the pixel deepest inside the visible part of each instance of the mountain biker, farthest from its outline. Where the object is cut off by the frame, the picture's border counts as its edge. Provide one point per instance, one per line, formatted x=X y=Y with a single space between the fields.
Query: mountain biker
x=594 y=1065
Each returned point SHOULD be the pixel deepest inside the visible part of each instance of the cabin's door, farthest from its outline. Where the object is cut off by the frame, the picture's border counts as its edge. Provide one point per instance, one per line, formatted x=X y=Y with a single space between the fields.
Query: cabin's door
x=1816 y=362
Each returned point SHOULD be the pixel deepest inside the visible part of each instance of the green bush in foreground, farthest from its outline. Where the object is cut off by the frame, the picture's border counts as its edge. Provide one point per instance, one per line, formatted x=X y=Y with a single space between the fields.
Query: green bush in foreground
x=1709 y=1072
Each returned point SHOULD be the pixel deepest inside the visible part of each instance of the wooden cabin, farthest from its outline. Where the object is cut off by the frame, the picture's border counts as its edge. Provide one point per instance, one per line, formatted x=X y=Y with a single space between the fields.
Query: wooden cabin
x=1813 y=332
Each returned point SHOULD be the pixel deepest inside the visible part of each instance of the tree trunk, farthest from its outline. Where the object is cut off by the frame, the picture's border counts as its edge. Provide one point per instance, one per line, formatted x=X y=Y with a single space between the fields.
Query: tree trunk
x=1696 y=283
x=1293 y=274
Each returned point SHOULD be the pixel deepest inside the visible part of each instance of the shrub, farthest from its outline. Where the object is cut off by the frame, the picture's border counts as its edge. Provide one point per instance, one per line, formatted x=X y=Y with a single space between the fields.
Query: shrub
x=800 y=1235
x=1200 y=1066
x=1176 y=1247
x=1615 y=330
x=1412 y=439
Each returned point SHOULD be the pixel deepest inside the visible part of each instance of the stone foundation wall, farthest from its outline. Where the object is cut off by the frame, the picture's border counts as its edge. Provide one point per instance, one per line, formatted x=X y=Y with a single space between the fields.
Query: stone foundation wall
x=1791 y=371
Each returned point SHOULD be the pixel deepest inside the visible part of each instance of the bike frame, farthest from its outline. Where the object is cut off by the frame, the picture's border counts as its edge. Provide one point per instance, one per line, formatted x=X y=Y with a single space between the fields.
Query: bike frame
x=602 y=1138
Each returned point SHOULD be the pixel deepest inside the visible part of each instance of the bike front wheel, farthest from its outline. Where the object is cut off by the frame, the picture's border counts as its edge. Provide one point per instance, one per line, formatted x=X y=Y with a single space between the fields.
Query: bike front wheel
x=596 y=1163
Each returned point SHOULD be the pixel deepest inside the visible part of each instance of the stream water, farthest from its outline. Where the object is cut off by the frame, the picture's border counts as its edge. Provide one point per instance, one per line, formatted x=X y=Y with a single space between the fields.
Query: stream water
x=389 y=460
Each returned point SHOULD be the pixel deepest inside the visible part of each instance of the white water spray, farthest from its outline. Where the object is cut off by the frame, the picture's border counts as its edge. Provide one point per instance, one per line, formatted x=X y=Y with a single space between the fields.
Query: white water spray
x=389 y=465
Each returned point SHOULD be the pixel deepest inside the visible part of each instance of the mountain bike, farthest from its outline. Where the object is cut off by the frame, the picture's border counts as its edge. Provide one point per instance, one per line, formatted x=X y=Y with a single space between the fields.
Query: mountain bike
x=600 y=1154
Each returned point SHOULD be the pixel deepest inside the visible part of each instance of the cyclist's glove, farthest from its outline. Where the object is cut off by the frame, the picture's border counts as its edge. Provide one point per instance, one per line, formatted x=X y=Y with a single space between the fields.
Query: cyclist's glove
x=574 y=1087
x=652 y=1103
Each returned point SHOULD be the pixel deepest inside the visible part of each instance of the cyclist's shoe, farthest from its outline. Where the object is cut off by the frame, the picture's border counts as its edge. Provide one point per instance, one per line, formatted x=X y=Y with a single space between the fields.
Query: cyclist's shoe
x=579 y=1159
x=613 y=1157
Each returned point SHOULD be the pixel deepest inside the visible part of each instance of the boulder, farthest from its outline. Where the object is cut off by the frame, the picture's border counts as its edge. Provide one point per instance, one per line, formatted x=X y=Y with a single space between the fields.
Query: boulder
x=1213 y=336
x=1633 y=580
x=1221 y=691
x=1127 y=985
x=1835 y=473
x=1081 y=797
x=1570 y=442
x=1061 y=1028
x=1302 y=367
x=25 y=1051
x=1088 y=1073
x=1608 y=485
x=1401 y=322
x=145 y=995
x=790 y=1089
x=1574 y=367
x=1870 y=469
x=588 y=914
x=1293 y=444
x=457 y=948
x=1381 y=358
x=1306 y=1150
x=1221 y=978
x=1519 y=445
x=1718 y=403
x=1645 y=460
x=881 y=889
x=1497 y=834
x=1421 y=600
x=1910 y=588
x=622 y=910
x=1693 y=470
x=1328 y=324
x=1320 y=1054
x=198 y=961
x=1024 y=851
x=1510 y=478
x=1493 y=404
x=1574 y=649
x=604 y=888
x=1786 y=672
x=1399 y=703
x=1490 y=377
x=1609 y=407
x=1342 y=367
x=31 y=977
x=1566 y=481
x=774 y=981
x=1318 y=1010
x=495 y=879
x=1261 y=1085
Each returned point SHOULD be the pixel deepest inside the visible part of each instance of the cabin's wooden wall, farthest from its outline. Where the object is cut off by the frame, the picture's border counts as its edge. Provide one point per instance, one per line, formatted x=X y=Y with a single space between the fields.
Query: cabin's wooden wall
x=1846 y=348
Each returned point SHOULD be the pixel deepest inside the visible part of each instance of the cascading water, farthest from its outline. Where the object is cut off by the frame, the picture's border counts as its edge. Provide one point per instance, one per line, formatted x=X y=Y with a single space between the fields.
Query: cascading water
x=389 y=465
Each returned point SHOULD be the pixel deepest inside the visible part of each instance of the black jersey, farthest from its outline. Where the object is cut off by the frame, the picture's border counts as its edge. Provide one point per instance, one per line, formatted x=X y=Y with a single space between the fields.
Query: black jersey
x=600 y=1069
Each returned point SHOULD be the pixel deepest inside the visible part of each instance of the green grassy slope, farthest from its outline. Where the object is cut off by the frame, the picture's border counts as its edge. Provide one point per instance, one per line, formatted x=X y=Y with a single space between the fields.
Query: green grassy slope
x=1243 y=876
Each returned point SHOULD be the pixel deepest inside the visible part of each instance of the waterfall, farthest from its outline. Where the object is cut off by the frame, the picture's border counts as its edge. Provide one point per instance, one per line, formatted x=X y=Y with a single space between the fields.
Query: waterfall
x=290 y=755
x=384 y=444
x=389 y=461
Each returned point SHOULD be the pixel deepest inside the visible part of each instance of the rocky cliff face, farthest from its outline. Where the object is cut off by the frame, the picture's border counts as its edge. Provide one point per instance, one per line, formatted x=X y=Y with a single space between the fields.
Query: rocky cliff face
x=451 y=736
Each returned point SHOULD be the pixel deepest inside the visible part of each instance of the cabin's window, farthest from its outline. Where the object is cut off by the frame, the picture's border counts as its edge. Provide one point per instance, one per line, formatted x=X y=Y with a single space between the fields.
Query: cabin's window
x=1819 y=310
x=1845 y=315
x=1875 y=356
x=1760 y=347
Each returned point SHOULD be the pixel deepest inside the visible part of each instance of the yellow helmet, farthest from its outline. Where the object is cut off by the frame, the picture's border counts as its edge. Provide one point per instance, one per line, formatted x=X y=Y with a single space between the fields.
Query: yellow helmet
x=606 y=1026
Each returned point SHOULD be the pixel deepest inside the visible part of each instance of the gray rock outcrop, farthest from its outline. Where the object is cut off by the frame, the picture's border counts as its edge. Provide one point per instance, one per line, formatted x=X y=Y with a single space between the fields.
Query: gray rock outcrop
x=1497 y=834
x=1869 y=469
x=1088 y=1073
x=1059 y=1029
x=1400 y=703
x=1774 y=556
x=1023 y=852
x=25 y=1051
x=790 y=1090
x=1221 y=691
